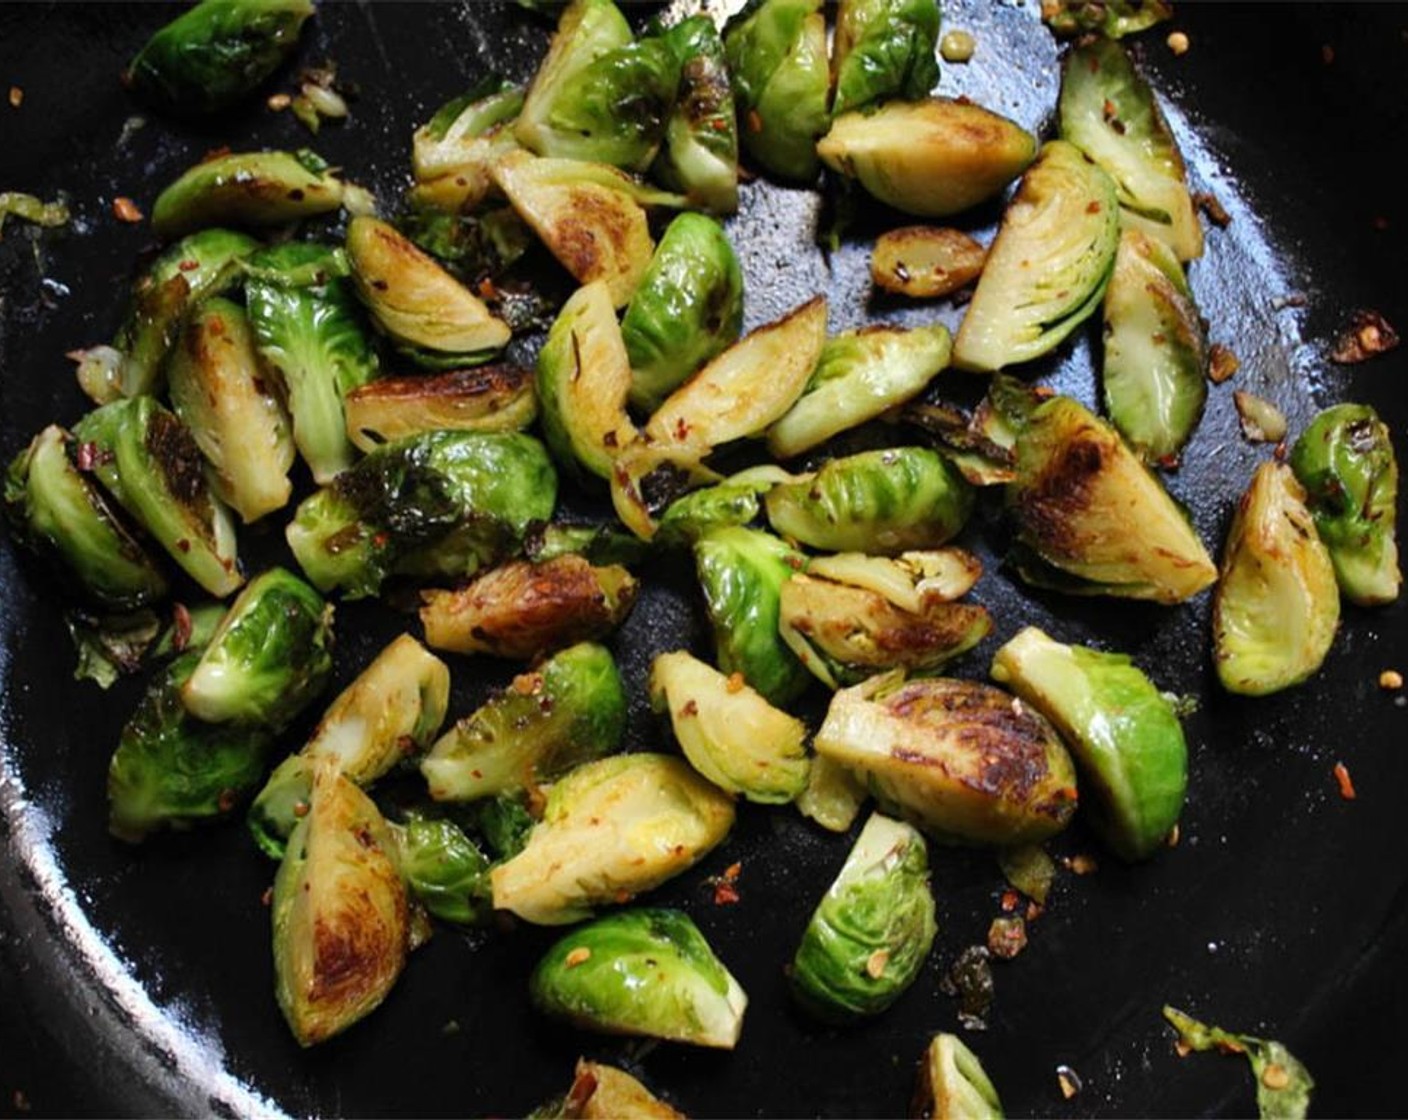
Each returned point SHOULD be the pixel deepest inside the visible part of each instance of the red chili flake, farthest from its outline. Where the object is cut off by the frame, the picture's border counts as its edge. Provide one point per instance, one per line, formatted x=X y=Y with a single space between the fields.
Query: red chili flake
x=188 y=265
x=755 y=122
x=1009 y=901
x=681 y=429
x=381 y=540
x=226 y=800
x=487 y=290
x=690 y=709
x=1034 y=911
x=1092 y=207
x=125 y=210
x=184 y=545
x=1345 y=782
x=86 y=456
x=725 y=894
x=180 y=627
x=406 y=744
x=300 y=809
x=267 y=897
x=1368 y=334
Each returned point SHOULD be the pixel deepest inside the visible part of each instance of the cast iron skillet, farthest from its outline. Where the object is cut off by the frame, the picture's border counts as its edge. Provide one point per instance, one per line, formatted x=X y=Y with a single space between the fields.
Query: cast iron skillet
x=139 y=980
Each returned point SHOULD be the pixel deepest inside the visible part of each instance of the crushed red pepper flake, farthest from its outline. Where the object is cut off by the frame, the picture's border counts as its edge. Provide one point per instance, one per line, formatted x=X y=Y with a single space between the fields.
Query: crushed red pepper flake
x=1010 y=901
x=180 y=627
x=1368 y=334
x=1346 y=783
x=125 y=210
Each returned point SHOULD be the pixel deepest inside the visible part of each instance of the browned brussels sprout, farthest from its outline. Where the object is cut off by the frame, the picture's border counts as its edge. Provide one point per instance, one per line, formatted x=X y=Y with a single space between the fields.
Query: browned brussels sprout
x=496 y=398
x=254 y=189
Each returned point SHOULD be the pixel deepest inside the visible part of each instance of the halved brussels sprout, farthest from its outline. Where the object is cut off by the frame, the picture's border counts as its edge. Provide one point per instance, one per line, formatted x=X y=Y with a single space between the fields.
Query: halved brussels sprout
x=963 y=761
x=884 y=502
x=602 y=1092
x=1108 y=111
x=522 y=609
x=700 y=153
x=247 y=189
x=1156 y=352
x=340 y=913
x=1048 y=267
x=884 y=49
x=860 y=374
x=453 y=153
x=687 y=309
x=1095 y=520
x=58 y=514
x=912 y=581
x=612 y=828
x=1345 y=461
x=833 y=796
x=146 y=459
x=923 y=262
x=870 y=934
x=1123 y=731
x=444 y=870
x=496 y=398
x=932 y=157
x=213 y=55
x=1114 y=18
x=953 y=1084
x=641 y=972
x=567 y=711
x=1277 y=605
x=734 y=501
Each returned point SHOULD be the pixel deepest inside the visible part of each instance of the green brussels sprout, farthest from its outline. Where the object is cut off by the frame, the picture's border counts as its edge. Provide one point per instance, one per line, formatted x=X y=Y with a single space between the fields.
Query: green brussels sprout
x=307 y=329
x=734 y=501
x=496 y=398
x=1283 y=1084
x=567 y=711
x=481 y=488
x=833 y=795
x=503 y=823
x=742 y=572
x=1123 y=731
x=884 y=49
x=883 y=502
x=146 y=459
x=777 y=58
x=598 y=544
x=172 y=770
x=475 y=246
x=215 y=54
x=913 y=581
x=1108 y=111
x=1093 y=520
x=646 y=971
x=1112 y=18
x=869 y=935
x=451 y=155
x=602 y=1092
x=959 y=759
x=1156 y=352
x=953 y=1084
x=700 y=153
x=341 y=916
x=687 y=308
x=1345 y=461
x=611 y=829
x=254 y=189
x=860 y=375
x=58 y=514
x=444 y=870
x=729 y=733
x=1277 y=605
x=1048 y=266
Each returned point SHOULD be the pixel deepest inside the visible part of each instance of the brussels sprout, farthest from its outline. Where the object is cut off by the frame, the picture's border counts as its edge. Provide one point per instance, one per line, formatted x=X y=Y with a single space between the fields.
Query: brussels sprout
x=599 y=544
x=833 y=795
x=1113 y=18
x=452 y=154
x=687 y=308
x=884 y=49
x=567 y=711
x=57 y=513
x=503 y=822
x=113 y=645
x=870 y=934
x=860 y=375
x=1346 y=463
x=1277 y=607
x=1156 y=353
x=602 y=1092
x=700 y=153
x=340 y=913
x=932 y=158
x=1094 y=519
x=1124 y=734
x=646 y=480
x=1049 y=265
x=497 y=398
x=960 y=759
x=473 y=246
x=953 y=1084
x=172 y=770
x=482 y=489
x=877 y=501
x=146 y=459
x=777 y=58
x=521 y=609
x=642 y=972
x=913 y=581
x=444 y=870
x=1108 y=111
x=256 y=189
x=734 y=501
x=742 y=572
x=612 y=828
x=215 y=54
x=923 y=262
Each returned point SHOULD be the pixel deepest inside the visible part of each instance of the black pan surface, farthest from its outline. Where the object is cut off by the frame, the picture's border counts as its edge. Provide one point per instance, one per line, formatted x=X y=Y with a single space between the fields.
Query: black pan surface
x=140 y=981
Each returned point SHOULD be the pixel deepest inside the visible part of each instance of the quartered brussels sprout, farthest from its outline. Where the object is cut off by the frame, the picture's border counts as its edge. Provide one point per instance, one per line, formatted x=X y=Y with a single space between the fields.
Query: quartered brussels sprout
x=1113 y=18
x=444 y=870
x=567 y=711
x=869 y=935
x=742 y=572
x=57 y=513
x=932 y=157
x=700 y=153
x=641 y=972
x=612 y=829
x=496 y=398
x=734 y=501
x=1047 y=269
x=923 y=262
x=687 y=309
x=340 y=912
x=777 y=59
x=884 y=49
x=452 y=502
x=860 y=374
x=1092 y=519
x=215 y=54
x=1277 y=605
x=729 y=733
x=452 y=154
x=833 y=795
x=147 y=461
x=1123 y=731
x=602 y=1092
x=247 y=189
x=1156 y=352
x=1283 y=1084
x=1345 y=461
x=953 y=1084
x=961 y=760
